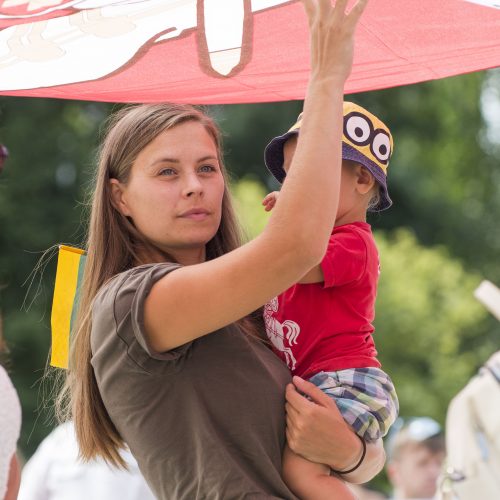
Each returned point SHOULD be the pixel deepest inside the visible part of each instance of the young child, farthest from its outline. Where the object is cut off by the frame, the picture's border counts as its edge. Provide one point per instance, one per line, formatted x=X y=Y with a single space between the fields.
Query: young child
x=322 y=326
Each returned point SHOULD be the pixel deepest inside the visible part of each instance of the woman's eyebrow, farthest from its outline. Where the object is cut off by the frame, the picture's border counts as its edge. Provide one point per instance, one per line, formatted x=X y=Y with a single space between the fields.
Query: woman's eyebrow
x=209 y=157
x=176 y=160
x=165 y=160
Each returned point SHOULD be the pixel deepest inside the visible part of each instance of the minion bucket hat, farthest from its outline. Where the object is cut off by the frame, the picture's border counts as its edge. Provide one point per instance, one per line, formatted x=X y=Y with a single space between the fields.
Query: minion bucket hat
x=365 y=140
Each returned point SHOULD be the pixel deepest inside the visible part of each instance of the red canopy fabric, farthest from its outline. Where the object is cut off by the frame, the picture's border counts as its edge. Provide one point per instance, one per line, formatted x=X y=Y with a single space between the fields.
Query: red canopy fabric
x=227 y=51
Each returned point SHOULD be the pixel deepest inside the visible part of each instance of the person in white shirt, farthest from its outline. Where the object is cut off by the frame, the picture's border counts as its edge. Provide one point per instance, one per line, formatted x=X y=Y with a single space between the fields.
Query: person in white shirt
x=10 y=427
x=54 y=472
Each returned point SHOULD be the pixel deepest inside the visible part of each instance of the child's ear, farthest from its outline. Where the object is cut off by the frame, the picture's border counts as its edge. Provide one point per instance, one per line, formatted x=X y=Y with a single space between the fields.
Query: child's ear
x=364 y=180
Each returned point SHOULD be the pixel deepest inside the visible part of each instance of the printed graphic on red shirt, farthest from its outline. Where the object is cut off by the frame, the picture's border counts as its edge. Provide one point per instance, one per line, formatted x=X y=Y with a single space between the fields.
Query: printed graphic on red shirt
x=334 y=318
x=282 y=335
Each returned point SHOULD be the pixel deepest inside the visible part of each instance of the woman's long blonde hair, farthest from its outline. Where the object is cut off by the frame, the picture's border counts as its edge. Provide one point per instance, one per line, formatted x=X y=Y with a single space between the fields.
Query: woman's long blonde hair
x=114 y=245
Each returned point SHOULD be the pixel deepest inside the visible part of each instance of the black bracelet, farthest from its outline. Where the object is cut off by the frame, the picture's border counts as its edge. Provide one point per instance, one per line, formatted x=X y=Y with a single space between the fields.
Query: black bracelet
x=360 y=461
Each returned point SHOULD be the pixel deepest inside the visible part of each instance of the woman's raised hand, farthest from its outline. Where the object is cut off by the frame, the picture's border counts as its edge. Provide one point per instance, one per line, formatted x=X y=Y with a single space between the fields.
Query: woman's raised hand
x=332 y=37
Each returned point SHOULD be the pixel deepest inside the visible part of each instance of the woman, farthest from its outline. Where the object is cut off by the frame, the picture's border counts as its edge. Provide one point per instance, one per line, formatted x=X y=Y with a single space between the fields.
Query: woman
x=166 y=356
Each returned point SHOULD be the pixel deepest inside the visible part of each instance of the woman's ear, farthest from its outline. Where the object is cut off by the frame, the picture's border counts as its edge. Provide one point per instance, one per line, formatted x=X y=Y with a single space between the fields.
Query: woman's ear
x=117 y=197
x=364 y=180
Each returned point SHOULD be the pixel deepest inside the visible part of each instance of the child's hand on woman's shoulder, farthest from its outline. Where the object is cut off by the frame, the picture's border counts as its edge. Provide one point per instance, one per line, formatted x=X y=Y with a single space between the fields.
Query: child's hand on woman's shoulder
x=270 y=200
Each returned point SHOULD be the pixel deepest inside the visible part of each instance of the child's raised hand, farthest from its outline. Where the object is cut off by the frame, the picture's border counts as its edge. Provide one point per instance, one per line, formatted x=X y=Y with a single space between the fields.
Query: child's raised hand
x=270 y=200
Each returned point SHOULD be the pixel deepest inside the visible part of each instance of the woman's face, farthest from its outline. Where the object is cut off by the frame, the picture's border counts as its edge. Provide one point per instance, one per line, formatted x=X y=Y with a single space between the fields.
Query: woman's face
x=175 y=190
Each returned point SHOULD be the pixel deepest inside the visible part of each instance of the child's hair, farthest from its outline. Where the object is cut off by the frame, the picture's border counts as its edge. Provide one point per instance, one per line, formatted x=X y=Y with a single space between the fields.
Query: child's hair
x=374 y=199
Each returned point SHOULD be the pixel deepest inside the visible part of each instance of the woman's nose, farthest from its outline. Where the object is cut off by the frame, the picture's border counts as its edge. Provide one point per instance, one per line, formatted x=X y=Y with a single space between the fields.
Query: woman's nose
x=192 y=186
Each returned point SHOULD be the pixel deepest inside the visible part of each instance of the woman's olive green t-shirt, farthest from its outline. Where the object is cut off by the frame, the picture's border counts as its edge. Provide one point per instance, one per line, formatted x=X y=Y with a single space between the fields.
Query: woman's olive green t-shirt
x=205 y=420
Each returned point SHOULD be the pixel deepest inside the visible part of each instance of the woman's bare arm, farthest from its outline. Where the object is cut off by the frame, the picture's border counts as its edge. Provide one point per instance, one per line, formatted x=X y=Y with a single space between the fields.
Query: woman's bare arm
x=317 y=431
x=14 y=479
x=195 y=300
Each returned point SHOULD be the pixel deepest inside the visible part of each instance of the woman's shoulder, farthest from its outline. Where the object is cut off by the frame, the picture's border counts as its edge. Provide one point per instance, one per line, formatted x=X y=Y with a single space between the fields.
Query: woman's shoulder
x=128 y=283
x=118 y=317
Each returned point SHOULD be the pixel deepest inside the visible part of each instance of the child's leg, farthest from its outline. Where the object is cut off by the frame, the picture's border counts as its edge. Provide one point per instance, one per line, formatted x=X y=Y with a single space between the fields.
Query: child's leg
x=312 y=481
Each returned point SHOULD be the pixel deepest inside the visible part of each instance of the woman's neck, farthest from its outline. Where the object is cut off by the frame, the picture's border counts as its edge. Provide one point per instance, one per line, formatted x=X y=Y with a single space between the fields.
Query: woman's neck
x=184 y=256
x=188 y=257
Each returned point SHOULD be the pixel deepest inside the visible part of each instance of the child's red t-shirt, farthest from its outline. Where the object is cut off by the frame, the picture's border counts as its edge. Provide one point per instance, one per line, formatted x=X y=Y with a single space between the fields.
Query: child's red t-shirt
x=328 y=326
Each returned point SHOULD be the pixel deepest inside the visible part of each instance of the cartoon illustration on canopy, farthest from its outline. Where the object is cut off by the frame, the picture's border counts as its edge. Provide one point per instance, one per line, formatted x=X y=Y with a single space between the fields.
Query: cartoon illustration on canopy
x=487 y=3
x=58 y=42
x=227 y=51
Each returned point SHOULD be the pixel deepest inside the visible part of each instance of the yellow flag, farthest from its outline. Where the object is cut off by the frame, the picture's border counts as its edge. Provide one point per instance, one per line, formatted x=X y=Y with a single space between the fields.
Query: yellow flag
x=70 y=264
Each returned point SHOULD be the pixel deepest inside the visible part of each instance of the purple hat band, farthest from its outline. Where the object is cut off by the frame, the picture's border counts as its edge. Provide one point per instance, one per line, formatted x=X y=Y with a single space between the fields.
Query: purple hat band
x=273 y=157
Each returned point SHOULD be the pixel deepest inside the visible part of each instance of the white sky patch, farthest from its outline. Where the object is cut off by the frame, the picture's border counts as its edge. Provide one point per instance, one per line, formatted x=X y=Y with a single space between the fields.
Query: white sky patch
x=495 y=4
x=490 y=106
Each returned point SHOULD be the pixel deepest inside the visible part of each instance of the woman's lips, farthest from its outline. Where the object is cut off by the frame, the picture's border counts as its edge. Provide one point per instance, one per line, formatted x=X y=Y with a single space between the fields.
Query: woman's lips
x=195 y=214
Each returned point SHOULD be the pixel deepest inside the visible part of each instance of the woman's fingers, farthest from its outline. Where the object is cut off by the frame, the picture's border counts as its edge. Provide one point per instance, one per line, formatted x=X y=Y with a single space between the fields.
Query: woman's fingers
x=318 y=9
x=292 y=415
x=299 y=403
x=310 y=8
x=356 y=12
x=295 y=427
x=325 y=7
x=340 y=7
x=322 y=8
x=289 y=437
x=332 y=37
x=313 y=392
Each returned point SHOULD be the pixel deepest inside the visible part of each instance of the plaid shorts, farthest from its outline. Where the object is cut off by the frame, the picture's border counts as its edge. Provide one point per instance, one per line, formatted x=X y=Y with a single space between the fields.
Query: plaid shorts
x=365 y=397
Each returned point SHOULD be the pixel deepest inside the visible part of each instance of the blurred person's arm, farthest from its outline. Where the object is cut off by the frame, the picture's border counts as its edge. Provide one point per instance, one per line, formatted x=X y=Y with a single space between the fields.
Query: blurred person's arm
x=14 y=479
x=366 y=494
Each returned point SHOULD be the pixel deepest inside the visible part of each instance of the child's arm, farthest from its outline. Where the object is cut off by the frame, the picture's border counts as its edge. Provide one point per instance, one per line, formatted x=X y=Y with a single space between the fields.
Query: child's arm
x=315 y=275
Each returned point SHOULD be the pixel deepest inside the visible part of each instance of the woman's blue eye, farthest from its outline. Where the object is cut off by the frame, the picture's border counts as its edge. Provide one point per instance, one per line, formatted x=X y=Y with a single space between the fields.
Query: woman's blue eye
x=167 y=171
x=207 y=168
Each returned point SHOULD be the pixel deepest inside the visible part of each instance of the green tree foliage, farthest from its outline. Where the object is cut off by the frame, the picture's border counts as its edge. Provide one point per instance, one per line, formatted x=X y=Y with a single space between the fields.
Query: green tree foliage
x=248 y=195
x=51 y=145
x=248 y=129
x=426 y=322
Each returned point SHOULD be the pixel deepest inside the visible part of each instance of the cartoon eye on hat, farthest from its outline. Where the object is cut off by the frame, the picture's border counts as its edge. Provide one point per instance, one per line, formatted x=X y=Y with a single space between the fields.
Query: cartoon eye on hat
x=381 y=146
x=358 y=129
